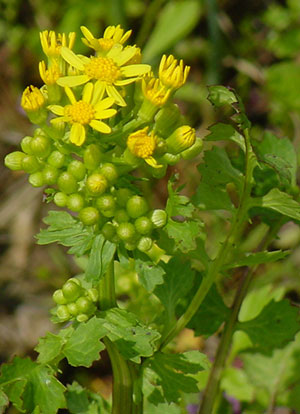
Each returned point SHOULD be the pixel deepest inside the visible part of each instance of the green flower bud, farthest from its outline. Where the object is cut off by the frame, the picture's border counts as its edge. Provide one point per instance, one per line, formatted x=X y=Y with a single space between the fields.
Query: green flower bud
x=59 y=298
x=50 y=175
x=14 y=160
x=121 y=216
x=75 y=280
x=126 y=232
x=167 y=119
x=85 y=305
x=161 y=147
x=108 y=231
x=82 y=318
x=77 y=168
x=60 y=199
x=92 y=157
x=73 y=309
x=40 y=146
x=56 y=159
x=75 y=202
x=123 y=195
x=62 y=313
x=143 y=225
x=136 y=206
x=159 y=218
x=26 y=145
x=109 y=171
x=171 y=159
x=193 y=151
x=71 y=290
x=30 y=164
x=145 y=244
x=181 y=139
x=96 y=184
x=130 y=246
x=106 y=204
x=67 y=183
x=36 y=179
x=93 y=294
x=89 y=216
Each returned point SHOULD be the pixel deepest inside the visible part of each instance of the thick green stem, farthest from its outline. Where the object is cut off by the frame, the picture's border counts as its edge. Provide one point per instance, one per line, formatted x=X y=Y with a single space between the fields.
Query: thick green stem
x=228 y=245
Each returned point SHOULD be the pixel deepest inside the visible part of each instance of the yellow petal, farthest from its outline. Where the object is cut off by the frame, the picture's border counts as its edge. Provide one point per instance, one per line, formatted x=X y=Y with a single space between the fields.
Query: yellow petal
x=100 y=126
x=104 y=104
x=152 y=162
x=135 y=70
x=72 y=81
x=99 y=89
x=59 y=120
x=124 y=82
x=86 y=33
x=104 y=114
x=71 y=58
x=77 y=134
x=56 y=109
x=125 y=55
x=113 y=93
x=87 y=92
x=70 y=95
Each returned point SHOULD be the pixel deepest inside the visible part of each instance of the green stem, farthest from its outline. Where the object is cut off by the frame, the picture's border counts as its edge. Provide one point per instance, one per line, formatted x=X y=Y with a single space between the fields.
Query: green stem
x=229 y=244
x=214 y=66
x=107 y=289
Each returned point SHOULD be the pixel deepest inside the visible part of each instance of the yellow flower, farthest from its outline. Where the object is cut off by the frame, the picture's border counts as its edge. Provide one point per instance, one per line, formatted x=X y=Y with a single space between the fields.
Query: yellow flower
x=52 y=42
x=112 y=35
x=143 y=145
x=154 y=91
x=32 y=99
x=87 y=111
x=109 y=71
x=50 y=75
x=181 y=139
x=171 y=73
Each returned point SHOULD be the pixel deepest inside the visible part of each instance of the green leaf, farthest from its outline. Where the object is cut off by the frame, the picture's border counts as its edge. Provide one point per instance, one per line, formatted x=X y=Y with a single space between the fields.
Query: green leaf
x=220 y=95
x=251 y=259
x=178 y=205
x=83 y=346
x=184 y=233
x=178 y=280
x=3 y=402
x=236 y=384
x=133 y=339
x=206 y=199
x=210 y=315
x=221 y=132
x=82 y=401
x=150 y=274
x=34 y=384
x=102 y=253
x=279 y=154
x=49 y=347
x=174 y=22
x=66 y=230
x=170 y=375
x=278 y=201
x=273 y=328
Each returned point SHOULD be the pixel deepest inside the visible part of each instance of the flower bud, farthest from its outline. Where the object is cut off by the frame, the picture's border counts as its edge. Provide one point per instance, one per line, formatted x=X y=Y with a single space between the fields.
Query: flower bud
x=159 y=218
x=60 y=199
x=30 y=164
x=171 y=159
x=26 y=145
x=36 y=179
x=71 y=290
x=40 y=146
x=143 y=225
x=121 y=216
x=75 y=202
x=59 y=298
x=108 y=231
x=92 y=157
x=67 y=183
x=56 y=159
x=33 y=102
x=109 y=171
x=145 y=244
x=72 y=308
x=167 y=119
x=50 y=175
x=77 y=169
x=93 y=294
x=14 y=160
x=193 y=151
x=85 y=305
x=96 y=184
x=106 y=204
x=62 y=313
x=181 y=139
x=136 y=206
x=82 y=317
x=126 y=232
x=89 y=215
x=123 y=195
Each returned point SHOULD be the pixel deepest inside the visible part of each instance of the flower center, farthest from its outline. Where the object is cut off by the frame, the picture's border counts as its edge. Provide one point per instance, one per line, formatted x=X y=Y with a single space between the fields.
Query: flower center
x=141 y=144
x=106 y=44
x=80 y=112
x=102 y=68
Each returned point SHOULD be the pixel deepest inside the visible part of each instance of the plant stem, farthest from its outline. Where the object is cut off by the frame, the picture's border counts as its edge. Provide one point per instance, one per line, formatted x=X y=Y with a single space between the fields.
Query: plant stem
x=229 y=243
x=214 y=66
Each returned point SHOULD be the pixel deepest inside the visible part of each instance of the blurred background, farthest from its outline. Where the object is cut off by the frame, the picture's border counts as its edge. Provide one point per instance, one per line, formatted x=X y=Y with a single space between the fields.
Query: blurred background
x=252 y=46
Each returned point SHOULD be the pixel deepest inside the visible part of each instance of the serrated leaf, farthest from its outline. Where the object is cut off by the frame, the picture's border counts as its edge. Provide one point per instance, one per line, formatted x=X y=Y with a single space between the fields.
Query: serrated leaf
x=39 y=388
x=49 y=347
x=133 y=339
x=66 y=230
x=82 y=401
x=273 y=328
x=171 y=374
x=101 y=255
x=251 y=259
x=150 y=274
x=227 y=132
x=83 y=346
x=177 y=204
x=220 y=95
x=184 y=233
x=279 y=201
x=174 y=22
x=206 y=199
x=178 y=280
x=3 y=401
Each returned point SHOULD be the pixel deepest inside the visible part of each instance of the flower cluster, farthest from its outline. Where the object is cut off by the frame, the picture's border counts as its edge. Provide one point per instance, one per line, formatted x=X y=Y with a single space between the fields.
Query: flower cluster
x=99 y=118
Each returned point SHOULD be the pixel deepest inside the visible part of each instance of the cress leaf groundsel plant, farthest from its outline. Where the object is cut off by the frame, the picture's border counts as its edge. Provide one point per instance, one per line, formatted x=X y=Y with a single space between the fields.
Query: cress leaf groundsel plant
x=104 y=125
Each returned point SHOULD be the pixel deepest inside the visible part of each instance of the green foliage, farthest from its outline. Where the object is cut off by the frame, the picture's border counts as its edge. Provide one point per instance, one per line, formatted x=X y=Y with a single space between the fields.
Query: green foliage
x=149 y=274
x=280 y=202
x=102 y=253
x=81 y=401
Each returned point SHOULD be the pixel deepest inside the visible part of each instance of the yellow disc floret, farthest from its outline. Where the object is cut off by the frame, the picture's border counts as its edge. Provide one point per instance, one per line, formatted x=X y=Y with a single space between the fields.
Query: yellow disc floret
x=49 y=76
x=81 y=112
x=102 y=68
x=32 y=99
x=52 y=42
x=141 y=144
x=172 y=74
x=154 y=91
